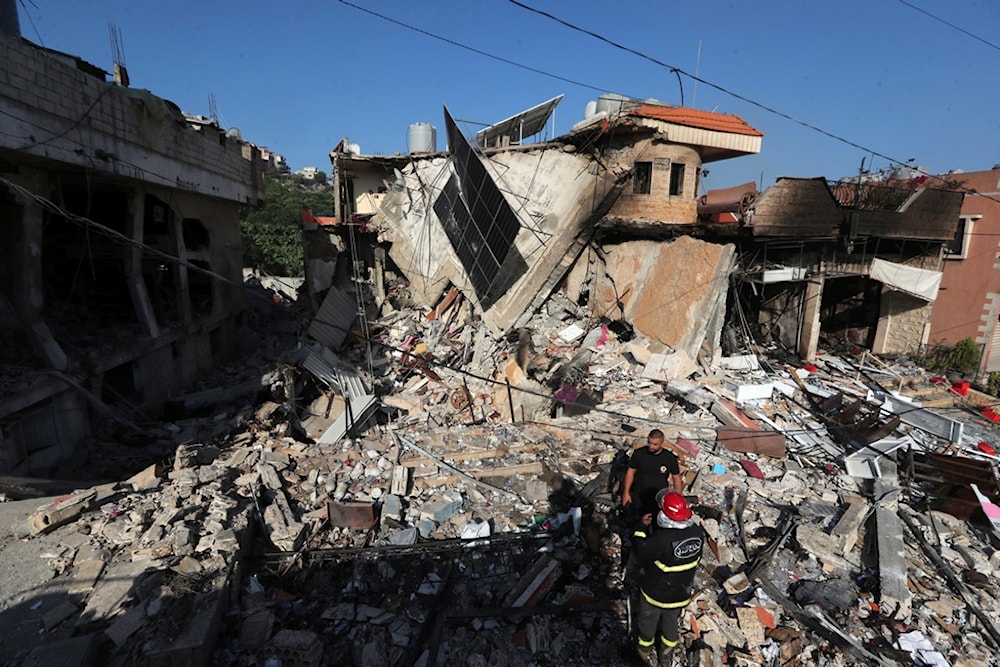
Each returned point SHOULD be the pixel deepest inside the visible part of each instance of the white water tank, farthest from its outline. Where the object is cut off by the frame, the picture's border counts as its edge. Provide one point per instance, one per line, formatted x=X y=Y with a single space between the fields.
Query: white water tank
x=590 y=109
x=422 y=138
x=611 y=104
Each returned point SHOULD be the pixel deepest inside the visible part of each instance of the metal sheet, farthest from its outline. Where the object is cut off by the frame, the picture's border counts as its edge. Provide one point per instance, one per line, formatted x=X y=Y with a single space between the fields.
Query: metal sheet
x=334 y=319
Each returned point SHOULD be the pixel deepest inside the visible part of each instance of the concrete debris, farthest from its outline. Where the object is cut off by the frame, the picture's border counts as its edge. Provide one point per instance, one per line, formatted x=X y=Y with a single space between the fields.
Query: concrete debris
x=472 y=518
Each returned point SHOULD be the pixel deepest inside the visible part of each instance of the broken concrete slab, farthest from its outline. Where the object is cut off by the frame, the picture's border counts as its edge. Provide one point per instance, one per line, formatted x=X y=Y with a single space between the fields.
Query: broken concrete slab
x=895 y=594
x=60 y=511
x=115 y=589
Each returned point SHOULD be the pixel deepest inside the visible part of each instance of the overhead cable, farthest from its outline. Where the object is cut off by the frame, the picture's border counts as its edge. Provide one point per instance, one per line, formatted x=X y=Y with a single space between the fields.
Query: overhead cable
x=115 y=235
x=950 y=25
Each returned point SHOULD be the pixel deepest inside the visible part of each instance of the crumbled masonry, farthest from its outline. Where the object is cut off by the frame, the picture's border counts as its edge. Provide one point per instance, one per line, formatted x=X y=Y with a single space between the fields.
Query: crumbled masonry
x=444 y=530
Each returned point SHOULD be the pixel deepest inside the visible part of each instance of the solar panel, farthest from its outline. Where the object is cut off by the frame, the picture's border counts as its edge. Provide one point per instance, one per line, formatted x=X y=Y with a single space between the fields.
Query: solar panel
x=517 y=127
x=476 y=217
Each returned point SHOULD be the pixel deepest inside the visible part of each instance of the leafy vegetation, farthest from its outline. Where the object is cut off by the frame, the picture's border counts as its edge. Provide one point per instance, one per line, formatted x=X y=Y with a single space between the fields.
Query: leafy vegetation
x=272 y=235
x=962 y=357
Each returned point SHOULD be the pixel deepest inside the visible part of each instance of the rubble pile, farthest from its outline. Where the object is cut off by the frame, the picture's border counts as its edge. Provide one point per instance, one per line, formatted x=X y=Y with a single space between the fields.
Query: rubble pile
x=472 y=516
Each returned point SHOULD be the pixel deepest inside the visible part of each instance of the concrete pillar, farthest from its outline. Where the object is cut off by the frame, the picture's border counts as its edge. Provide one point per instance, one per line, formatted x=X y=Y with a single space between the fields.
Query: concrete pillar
x=26 y=266
x=809 y=331
x=182 y=291
x=896 y=598
x=133 y=268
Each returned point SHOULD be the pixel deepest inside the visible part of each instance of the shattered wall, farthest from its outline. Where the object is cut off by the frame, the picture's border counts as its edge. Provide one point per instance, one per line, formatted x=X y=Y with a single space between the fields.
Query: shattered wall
x=555 y=194
x=670 y=292
x=406 y=219
x=905 y=320
x=55 y=111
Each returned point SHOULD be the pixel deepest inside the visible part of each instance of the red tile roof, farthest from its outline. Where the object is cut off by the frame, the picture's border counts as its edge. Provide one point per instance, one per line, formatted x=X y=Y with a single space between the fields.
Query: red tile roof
x=706 y=120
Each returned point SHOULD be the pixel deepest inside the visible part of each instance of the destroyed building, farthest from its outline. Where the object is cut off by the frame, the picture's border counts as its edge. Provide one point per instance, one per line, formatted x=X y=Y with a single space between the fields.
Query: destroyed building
x=429 y=474
x=860 y=261
x=121 y=240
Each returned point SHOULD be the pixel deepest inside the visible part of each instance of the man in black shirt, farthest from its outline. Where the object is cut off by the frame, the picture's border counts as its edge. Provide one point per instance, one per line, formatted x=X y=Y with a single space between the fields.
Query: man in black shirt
x=651 y=469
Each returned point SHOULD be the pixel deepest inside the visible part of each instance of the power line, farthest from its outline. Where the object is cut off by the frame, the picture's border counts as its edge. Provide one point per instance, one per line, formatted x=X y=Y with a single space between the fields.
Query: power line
x=950 y=25
x=114 y=235
x=676 y=70
x=723 y=89
x=470 y=48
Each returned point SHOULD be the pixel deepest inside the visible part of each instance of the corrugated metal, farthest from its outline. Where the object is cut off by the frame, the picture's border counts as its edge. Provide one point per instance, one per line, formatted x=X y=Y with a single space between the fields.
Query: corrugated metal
x=334 y=319
x=358 y=399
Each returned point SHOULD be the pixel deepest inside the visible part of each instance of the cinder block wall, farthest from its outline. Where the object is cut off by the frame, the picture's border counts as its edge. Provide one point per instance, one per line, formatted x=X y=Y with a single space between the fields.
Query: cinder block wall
x=53 y=110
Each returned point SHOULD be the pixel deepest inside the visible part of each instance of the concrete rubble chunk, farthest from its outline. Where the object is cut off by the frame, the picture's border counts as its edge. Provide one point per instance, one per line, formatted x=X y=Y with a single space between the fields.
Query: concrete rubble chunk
x=441 y=509
x=86 y=574
x=63 y=610
x=269 y=476
x=849 y=525
x=149 y=478
x=60 y=511
x=750 y=625
x=256 y=629
x=824 y=547
x=126 y=624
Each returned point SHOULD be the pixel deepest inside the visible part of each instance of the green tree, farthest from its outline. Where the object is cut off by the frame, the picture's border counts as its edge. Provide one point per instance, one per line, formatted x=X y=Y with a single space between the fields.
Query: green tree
x=272 y=234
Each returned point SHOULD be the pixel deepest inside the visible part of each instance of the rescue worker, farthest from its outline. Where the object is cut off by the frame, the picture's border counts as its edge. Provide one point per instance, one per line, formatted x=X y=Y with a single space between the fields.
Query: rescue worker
x=668 y=551
x=650 y=470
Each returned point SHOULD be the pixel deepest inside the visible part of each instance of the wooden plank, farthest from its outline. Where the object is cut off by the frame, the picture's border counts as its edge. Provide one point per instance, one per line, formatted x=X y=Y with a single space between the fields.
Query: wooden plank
x=745 y=440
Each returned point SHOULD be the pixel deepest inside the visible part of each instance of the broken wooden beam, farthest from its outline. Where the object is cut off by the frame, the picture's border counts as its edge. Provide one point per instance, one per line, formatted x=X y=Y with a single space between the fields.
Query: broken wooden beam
x=748 y=440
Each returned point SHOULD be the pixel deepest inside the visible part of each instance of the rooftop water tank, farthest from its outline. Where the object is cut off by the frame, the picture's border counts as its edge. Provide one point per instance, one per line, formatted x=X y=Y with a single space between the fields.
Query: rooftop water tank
x=611 y=103
x=590 y=109
x=422 y=138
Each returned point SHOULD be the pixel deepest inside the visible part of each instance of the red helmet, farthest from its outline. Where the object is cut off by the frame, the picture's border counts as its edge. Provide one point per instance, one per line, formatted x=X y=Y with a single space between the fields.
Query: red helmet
x=676 y=507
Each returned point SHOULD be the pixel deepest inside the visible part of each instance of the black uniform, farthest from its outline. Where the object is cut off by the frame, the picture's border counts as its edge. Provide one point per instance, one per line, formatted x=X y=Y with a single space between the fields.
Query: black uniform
x=652 y=473
x=669 y=557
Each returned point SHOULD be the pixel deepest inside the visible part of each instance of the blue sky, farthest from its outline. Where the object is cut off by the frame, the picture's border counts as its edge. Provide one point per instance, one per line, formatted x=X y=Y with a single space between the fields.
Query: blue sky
x=298 y=77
